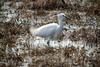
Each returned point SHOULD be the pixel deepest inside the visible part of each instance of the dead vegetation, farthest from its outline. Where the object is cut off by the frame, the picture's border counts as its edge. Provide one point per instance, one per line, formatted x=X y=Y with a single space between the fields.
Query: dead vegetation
x=89 y=35
x=49 y=56
x=13 y=35
x=90 y=6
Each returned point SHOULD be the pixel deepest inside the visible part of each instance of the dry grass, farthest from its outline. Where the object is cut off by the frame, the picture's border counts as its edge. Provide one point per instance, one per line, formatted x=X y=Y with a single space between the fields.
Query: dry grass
x=12 y=35
x=89 y=35
x=49 y=56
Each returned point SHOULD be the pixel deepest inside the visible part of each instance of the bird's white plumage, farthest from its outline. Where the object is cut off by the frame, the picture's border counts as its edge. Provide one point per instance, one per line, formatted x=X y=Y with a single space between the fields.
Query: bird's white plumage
x=46 y=30
x=50 y=30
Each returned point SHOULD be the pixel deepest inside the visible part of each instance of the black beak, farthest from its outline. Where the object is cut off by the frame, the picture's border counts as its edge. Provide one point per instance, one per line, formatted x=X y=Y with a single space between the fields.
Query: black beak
x=67 y=17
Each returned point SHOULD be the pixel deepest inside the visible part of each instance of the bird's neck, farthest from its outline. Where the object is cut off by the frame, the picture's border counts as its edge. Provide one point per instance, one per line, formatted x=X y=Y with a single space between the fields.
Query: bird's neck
x=61 y=23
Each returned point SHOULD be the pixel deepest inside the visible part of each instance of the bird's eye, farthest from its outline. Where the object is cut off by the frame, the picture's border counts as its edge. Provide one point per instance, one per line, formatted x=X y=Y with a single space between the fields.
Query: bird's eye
x=64 y=16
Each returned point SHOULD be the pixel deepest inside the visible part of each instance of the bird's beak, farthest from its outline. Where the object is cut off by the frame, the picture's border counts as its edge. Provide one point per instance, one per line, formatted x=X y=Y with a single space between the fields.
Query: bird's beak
x=67 y=17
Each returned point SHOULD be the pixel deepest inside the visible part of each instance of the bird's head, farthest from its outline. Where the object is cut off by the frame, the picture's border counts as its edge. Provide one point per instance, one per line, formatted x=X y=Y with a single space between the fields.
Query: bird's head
x=62 y=17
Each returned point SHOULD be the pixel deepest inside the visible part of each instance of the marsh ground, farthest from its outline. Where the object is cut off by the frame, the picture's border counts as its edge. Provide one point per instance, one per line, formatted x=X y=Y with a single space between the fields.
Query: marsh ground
x=79 y=44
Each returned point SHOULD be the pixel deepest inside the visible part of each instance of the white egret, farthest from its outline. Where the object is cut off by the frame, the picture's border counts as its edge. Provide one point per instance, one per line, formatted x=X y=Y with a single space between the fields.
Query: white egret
x=52 y=30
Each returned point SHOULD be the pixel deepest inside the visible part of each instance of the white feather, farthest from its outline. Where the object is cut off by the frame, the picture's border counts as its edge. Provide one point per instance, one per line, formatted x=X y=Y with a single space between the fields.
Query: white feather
x=50 y=30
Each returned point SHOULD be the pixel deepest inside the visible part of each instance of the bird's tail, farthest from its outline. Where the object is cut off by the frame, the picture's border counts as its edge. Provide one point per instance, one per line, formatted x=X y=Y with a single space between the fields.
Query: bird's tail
x=32 y=29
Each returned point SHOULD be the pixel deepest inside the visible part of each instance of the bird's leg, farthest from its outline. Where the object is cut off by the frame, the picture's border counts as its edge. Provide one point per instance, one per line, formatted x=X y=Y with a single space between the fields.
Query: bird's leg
x=69 y=26
x=48 y=42
x=59 y=40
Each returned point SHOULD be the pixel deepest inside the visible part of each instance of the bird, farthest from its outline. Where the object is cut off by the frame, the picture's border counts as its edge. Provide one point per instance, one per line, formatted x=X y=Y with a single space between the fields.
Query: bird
x=51 y=30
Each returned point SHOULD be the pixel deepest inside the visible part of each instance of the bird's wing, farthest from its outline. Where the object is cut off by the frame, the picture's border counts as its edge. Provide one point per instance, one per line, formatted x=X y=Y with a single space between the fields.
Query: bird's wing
x=46 y=30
